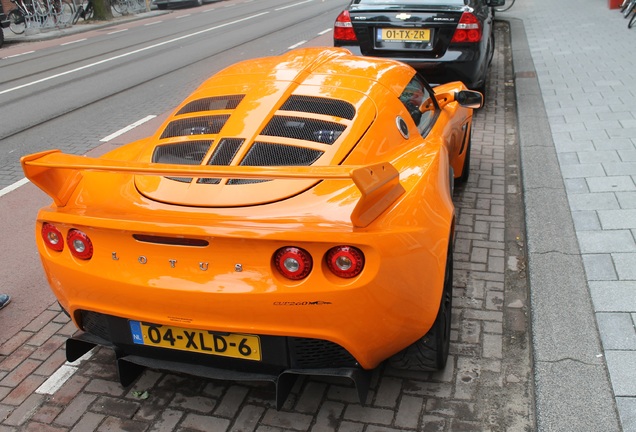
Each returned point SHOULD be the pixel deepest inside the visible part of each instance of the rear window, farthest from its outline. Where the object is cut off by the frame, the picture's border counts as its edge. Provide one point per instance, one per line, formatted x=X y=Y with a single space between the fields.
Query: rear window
x=414 y=2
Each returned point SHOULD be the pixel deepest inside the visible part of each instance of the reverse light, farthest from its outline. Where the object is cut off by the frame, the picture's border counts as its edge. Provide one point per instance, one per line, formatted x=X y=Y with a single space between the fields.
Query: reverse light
x=468 y=30
x=293 y=263
x=345 y=261
x=343 y=28
x=80 y=245
x=52 y=237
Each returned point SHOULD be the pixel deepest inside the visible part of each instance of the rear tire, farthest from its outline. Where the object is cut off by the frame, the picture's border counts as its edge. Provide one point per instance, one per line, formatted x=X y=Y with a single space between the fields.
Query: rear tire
x=17 y=22
x=466 y=168
x=430 y=353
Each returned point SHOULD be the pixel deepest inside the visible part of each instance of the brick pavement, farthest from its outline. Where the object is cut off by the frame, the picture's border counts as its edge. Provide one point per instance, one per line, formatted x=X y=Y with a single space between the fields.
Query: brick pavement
x=487 y=385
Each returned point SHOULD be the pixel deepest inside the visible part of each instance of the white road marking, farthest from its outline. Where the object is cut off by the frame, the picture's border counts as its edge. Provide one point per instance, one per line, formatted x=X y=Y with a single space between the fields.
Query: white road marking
x=17 y=55
x=72 y=42
x=127 y=128
x=137 y=51
x=297 y=45
x=153 y=23
x=293 y=5
x=60 y=376
x=183 y=16
x=117 y=31
x=13 y=186
x=324 y=31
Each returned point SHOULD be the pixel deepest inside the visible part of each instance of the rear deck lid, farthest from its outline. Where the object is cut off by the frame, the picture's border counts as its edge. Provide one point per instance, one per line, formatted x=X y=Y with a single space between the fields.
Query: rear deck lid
x=289 y=114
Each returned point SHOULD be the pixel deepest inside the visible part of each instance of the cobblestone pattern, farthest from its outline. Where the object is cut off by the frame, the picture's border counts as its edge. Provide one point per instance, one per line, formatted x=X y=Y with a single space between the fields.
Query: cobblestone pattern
x=485 y=387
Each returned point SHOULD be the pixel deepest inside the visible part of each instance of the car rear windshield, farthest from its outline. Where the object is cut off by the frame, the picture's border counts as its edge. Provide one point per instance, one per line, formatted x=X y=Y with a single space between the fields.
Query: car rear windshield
x=414 y=2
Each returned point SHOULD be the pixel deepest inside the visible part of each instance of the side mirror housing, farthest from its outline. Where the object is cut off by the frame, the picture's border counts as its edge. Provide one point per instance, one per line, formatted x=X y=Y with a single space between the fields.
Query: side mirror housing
x=469 y=99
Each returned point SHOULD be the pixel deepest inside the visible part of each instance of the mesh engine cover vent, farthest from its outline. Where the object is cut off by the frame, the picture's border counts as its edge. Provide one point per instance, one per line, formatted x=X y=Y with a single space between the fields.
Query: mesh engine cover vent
x=195 y=126
x=223 y=155
x=318 y=105
x=303 y=129
x=187 y=153
x=212 y=104
x=266 y=154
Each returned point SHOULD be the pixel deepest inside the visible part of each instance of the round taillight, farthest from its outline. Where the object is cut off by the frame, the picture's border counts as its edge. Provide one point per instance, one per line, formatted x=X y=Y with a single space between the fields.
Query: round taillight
x=293 y=263
x=52 y=237
x=80 y=245
x=345 y=261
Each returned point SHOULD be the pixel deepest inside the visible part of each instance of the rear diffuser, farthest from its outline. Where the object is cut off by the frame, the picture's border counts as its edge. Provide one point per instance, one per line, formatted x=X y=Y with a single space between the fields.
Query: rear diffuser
x=129 y=367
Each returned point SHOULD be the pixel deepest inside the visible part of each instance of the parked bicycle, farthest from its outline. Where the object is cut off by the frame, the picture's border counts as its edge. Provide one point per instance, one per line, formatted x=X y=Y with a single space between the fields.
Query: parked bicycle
x=628 y=7
x=39 y=13
x=84 y=11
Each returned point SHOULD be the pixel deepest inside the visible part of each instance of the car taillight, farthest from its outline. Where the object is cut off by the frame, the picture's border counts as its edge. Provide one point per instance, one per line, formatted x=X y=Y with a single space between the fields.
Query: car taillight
x=468 y=29
x=343 y=28
x=293 y=263
x=80 y=245
x=345 y=261
x=52 y=237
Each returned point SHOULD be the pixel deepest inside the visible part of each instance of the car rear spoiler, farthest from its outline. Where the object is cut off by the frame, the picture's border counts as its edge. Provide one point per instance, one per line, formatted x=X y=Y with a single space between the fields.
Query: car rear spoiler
x=58 y=174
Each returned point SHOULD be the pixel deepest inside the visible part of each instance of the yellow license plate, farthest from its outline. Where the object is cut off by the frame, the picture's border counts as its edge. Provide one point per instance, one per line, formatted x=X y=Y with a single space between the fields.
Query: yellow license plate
x=404 y=35
x=241 y=346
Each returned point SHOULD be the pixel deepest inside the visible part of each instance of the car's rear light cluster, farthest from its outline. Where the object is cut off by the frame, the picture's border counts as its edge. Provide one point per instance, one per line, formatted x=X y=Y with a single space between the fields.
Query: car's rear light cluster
x=79 y=244
x=468 y=29
x=296 y=263
x=343 y=28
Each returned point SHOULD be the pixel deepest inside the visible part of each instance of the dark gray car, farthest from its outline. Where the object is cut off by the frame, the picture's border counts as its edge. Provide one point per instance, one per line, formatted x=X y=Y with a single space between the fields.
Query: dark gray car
x=446 y=40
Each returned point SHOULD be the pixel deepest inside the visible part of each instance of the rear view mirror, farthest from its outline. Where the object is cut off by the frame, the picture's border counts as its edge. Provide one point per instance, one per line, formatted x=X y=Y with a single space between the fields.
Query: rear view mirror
x=469 y=99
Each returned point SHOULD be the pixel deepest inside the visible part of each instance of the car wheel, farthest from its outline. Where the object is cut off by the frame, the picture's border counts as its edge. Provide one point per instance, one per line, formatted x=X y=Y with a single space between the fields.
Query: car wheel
x=162 y=6
x=1 y=37
x=466 y=168
x=431 y=351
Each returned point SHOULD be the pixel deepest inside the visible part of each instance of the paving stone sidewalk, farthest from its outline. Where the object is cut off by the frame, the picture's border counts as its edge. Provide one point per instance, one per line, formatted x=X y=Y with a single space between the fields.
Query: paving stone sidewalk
x=487 y=385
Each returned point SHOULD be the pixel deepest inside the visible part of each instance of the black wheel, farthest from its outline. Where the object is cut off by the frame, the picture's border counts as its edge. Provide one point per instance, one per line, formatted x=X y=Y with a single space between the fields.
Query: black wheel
x=79 y=13
x=505 y=7
x=629 y=8
x=88 y=13
x=17 y=22
x=624 y=5
x=1 y=37
x=430 y=353
x=120 y=6
x=466 y=168
x=632 y=21
x=162 y=6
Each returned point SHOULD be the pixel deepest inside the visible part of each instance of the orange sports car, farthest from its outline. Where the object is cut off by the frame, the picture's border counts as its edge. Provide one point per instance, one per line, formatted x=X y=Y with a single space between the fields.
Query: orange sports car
x=293 y=216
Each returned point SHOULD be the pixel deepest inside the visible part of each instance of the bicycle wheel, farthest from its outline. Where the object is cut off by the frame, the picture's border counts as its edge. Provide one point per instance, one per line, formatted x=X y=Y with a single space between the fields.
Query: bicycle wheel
x=505 y=7
x=88 y=14
x=623 y=5
x=64 y=13
x=79 y=13
x=17 y=22
x=629 y=8
x=632 y=21
x=120 y=6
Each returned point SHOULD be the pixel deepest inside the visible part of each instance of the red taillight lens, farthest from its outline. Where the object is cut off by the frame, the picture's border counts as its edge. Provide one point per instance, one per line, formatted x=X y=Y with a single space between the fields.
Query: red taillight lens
x=345 y=261
x=80 y=245
x=293 y=263
x=343 y=28
x=52 y=237
x=468 y=30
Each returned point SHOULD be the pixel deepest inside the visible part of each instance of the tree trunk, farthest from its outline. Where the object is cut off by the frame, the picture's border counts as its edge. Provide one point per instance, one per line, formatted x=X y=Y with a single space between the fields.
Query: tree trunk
x=102 y=10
